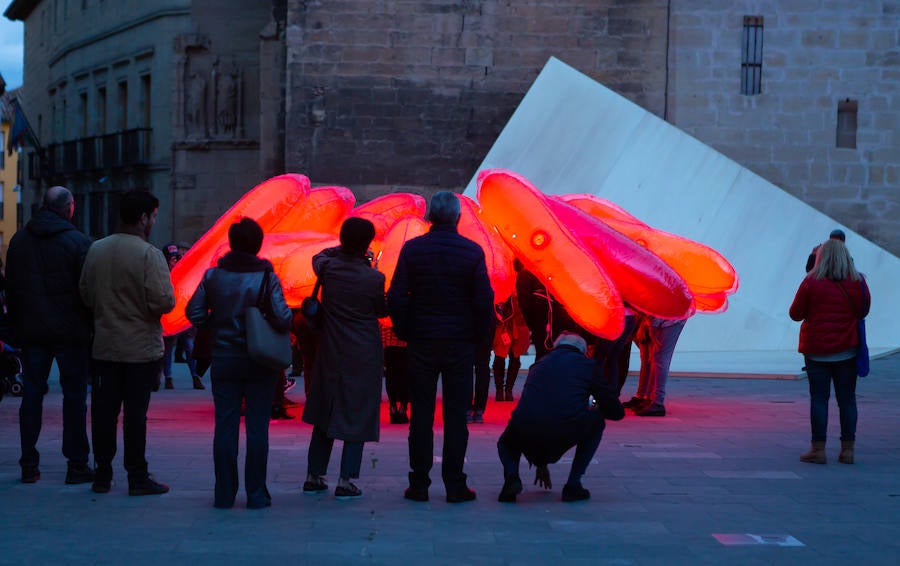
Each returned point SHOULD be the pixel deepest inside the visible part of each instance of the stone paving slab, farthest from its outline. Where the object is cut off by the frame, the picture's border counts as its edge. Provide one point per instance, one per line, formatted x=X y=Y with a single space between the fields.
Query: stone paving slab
x=724 y=462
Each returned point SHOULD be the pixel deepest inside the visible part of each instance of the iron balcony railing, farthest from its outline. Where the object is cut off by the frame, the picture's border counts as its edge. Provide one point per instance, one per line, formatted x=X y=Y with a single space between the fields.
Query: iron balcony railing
x=120 y=150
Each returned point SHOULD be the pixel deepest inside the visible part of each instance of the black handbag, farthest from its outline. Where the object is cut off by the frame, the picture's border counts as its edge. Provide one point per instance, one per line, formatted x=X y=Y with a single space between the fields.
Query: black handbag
x=265 y=345
x=311 y=308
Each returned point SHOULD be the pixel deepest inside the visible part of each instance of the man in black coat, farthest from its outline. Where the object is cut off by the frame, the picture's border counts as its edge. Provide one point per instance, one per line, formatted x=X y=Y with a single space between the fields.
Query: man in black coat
x=43 y=266
x=441 y=302
x=554 y=414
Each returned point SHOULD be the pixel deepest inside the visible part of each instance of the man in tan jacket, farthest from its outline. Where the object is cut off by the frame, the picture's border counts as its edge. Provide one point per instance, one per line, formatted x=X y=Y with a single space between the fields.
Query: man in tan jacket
x=125 y=282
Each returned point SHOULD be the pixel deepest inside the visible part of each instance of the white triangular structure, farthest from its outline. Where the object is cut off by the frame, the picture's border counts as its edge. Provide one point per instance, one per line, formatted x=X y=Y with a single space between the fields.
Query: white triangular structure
x=571 y=134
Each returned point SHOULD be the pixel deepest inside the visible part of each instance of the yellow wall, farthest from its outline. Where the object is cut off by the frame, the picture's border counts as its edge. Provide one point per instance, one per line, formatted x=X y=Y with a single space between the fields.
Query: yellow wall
x=8 y=179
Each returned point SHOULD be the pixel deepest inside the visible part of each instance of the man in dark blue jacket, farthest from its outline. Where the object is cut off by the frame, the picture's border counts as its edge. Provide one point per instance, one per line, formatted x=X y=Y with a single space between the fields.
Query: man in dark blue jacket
x=441 y=303
x=554 y=414
x=43 y=265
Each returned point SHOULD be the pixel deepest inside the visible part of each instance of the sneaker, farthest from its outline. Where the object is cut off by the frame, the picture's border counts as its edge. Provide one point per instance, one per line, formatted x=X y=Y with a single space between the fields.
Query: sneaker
x=289 y=383
x=197 y=383
x=416 y=493
x=575 y=492
x=101 y=486
x=511 y=488
x=147 y=486
x=30 y=474
x=651 y=410
x=478 y=417
x=79 y=473
x=169 y=384
x=461 y=495
x=315 y=487
x=349 y=491
x=634 y=403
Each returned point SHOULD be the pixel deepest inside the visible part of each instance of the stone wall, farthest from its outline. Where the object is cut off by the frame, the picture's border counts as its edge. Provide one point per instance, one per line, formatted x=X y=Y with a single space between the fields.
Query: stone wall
x=386 y=95
x=816 y=53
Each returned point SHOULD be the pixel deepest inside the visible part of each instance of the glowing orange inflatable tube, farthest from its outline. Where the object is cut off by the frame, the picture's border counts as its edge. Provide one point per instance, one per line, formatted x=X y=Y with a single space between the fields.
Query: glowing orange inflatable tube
x=402 y=231
x=324 y=210
x=546 y=246
x=497 y=255
x=644 y=281
x=291 y=256
x=386 y=210
x=705 y=270
x=268 y=203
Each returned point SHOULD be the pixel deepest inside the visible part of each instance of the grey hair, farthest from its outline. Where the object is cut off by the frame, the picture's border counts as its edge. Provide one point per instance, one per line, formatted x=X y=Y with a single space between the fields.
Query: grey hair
x=444 y=208
x=833 y=262
x=570 y=339
x=58 y=199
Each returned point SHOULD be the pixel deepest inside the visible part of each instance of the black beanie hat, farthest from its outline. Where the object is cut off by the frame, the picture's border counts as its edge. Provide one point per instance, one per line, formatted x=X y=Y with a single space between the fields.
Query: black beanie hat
x=356 y=235
x=245 y=236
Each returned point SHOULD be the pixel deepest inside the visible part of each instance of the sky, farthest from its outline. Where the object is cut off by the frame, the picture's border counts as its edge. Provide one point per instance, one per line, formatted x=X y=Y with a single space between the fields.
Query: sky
x=11 y=50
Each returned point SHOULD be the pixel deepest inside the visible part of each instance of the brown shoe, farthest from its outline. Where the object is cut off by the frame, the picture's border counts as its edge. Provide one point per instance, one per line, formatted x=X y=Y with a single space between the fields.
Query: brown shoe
x=816 y=455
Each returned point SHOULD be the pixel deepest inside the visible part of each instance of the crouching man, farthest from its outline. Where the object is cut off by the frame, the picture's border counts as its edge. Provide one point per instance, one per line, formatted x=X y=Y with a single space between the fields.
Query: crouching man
x=554 y=414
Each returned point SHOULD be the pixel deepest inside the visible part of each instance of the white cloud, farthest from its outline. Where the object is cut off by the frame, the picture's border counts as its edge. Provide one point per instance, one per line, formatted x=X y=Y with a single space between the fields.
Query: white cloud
x=11 y=51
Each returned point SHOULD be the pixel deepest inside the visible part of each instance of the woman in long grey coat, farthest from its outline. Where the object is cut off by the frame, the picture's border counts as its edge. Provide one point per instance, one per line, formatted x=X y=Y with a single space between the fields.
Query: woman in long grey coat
x=345 y=390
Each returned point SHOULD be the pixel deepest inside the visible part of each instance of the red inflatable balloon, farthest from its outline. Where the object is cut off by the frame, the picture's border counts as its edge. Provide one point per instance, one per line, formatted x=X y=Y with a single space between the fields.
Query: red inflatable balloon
x=497 y=255
x=705 y=270
x=269 y=203
x=645 y=281
x=525 y=220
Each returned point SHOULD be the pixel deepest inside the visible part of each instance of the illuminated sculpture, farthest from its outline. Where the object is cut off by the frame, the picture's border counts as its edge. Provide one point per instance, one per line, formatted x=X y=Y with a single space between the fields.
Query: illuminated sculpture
x=591 y=254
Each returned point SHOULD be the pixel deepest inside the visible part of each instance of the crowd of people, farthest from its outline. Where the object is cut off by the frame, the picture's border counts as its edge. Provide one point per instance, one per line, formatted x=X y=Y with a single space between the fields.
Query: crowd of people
x=95 y=307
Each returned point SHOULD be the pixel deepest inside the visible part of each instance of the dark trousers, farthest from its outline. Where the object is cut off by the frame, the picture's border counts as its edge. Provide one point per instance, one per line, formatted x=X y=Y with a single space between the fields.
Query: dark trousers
x=512 y=445
x=73 y=373
x=482 y=375
x=608 y=353
x=821 y=375
x=234 y=380
x=396 y=374
x=120 y=386
x=320 y=453
x=452 y=361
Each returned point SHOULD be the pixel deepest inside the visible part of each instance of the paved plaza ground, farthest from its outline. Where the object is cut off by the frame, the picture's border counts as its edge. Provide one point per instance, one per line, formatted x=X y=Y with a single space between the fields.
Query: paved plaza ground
x=721 y=468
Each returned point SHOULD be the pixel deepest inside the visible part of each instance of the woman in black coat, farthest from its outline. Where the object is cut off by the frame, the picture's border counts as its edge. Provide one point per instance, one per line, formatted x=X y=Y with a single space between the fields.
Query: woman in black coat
x=345 y=389
x=218 y=307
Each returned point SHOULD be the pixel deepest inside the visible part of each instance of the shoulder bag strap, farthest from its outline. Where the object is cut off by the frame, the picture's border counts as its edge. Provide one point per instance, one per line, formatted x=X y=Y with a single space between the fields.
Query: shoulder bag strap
x=315 y=293
x=262 y=291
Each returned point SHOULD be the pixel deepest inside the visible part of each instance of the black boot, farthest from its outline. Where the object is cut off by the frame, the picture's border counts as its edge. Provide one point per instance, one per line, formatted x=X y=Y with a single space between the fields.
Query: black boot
x=499 y=364
x=511 y=374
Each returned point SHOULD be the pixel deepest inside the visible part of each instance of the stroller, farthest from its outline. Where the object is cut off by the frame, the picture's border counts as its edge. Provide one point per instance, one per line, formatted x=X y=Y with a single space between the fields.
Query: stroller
x=10 y=374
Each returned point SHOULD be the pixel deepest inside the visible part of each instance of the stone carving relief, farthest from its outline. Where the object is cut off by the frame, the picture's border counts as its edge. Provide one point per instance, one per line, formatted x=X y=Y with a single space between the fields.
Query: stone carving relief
x=209 y=92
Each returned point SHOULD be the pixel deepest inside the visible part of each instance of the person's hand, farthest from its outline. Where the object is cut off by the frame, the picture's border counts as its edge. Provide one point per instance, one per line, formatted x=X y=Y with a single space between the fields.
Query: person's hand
x=542 y=477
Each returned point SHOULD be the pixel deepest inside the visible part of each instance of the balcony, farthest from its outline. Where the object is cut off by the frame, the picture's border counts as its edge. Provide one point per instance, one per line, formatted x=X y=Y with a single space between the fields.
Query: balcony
x=108 y=152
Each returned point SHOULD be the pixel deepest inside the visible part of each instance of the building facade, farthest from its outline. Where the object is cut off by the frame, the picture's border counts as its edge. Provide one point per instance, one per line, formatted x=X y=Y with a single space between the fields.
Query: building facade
x=160 y=96
x=9 y=173
x=409 y=95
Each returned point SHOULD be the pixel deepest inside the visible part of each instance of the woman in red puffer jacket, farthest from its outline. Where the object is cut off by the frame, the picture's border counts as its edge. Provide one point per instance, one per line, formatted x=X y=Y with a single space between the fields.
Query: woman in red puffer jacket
x=830 y=301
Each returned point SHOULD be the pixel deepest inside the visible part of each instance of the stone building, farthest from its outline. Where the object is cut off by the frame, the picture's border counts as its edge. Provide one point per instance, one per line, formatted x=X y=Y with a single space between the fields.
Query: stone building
x=130 y=94
x=408 y=95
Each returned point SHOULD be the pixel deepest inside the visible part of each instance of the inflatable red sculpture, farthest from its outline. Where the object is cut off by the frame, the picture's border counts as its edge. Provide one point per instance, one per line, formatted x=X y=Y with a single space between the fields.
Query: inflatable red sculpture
x=592 y=255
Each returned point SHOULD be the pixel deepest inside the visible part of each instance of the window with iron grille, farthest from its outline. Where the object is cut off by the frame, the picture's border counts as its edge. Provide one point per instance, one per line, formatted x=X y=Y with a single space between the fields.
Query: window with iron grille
x=751 y=55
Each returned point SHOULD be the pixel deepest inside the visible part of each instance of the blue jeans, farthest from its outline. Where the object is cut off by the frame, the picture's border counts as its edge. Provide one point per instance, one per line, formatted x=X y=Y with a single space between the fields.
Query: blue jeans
x=453 y=361
x=233 y=380
x=821 y=375
x=187 y=344
x=319 y=454
x=658 y=357
x=73 y=372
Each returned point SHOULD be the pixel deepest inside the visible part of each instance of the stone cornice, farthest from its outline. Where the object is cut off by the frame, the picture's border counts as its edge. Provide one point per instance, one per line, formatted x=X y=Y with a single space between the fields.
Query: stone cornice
x=75 y=45
x=19 y=9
